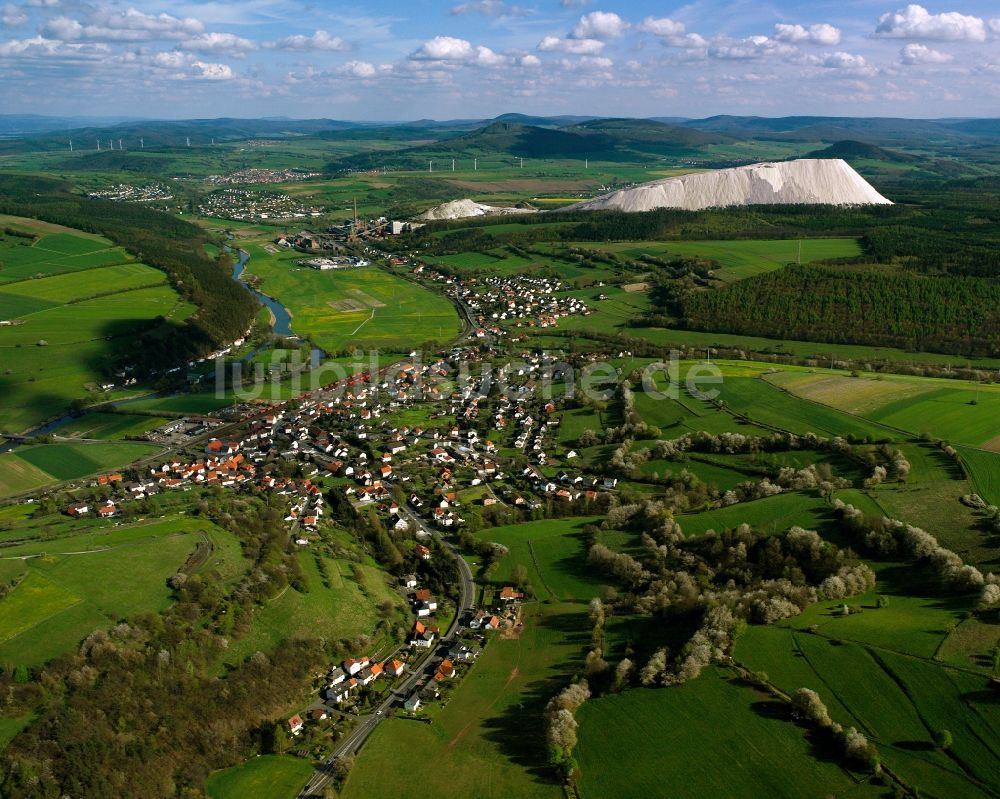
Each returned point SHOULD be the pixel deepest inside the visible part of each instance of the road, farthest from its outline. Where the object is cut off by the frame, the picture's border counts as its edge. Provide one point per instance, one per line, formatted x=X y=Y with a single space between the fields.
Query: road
x=424 y=670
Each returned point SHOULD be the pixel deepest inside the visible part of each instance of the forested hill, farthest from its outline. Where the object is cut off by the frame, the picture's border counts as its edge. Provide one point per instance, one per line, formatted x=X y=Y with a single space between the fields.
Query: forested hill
x=225 y=310
x=880 y=306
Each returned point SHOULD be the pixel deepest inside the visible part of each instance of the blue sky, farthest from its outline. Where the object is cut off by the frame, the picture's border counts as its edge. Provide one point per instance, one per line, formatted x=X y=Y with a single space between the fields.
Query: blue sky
x=478 y=58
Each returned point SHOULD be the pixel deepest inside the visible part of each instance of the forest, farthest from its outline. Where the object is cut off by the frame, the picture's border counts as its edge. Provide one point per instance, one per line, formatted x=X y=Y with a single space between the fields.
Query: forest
x=888 y=307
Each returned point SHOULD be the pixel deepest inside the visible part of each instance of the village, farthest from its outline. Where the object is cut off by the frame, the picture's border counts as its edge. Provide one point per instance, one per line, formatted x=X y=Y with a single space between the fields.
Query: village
x=260 y=176
x=246 y=205
x=124 y=192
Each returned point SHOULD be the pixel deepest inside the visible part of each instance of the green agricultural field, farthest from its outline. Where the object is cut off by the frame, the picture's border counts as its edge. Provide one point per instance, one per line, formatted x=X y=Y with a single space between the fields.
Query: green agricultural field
x=739 y=259
x=89 y=577
x=17 y=476
x=72 y=461
x=553 y=552
x=824 y=353
x=770 y=515
x=34 y=600
x=113 y=426
x=745 y=393
x=718 y=737
x=954 y=410
x=57 y=250
x=367 y=308
x=72 y=288
x=488 y=741
x=984 y=470
x=345 y=607
x=267 y=777
x=898 y=700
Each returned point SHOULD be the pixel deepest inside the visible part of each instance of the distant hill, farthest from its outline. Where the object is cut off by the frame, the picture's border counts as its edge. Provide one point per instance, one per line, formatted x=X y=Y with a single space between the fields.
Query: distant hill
x=632 y=132
x=877 y=130
x=849 y=149
x=531 y=141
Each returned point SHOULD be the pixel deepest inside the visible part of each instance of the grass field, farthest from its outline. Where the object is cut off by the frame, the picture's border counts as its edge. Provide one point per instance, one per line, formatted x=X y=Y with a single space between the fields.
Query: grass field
x=741 y=259
x=347 y=608
x=267 y=777
x=111 y=426
x=70 y=321
x=898 y=700
x=36 y=466
x=770 y=515
x=717 y=737
x=367 y=308
x=950 y=409
x=89 y=577
x=984 y=470
x=554 y=554
x=488 y=741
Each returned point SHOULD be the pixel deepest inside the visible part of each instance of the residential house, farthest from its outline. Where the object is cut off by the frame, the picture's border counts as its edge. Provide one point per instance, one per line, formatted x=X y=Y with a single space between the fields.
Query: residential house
x=295 y=724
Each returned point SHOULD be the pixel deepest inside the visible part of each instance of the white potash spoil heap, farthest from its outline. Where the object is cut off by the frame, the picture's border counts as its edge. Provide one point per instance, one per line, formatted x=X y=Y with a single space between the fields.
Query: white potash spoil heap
x=460 y=209
x=807 y=181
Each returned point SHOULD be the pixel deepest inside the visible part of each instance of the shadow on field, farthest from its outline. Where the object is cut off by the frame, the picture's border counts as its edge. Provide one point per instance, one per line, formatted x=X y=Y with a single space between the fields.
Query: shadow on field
x=822 y=744
x=520 y=730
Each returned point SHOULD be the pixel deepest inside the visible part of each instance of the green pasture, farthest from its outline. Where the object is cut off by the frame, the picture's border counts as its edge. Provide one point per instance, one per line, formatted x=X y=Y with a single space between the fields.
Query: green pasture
x=719 y=738
x=488 y=741
x=113 y=426
x=554 y=554
x=368 y=308
x=769 y=515
x=266 y=777
x=344 y=608
x=72 y=461
x=87 y=577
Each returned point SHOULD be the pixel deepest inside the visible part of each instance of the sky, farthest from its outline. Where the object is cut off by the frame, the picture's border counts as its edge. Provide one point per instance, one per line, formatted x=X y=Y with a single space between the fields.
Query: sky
x=383 y=60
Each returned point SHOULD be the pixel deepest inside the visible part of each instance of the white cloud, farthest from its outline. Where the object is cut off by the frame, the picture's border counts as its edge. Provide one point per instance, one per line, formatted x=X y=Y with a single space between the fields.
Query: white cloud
x=822 y=33
x=574 y=3
x=749 y=48
x=123 y=26
x=11 y=16
x=916 y=53
x=362 y=69
x=41 y=46
x=671 y=32
x=489 y=8
x=848 y=62
x=574 y=46
x=444 y=48
x=599 y=25
x=207 y=71
x=449 y=48
x=529 y=60
x=916 y=22
x=42 y=3
x=218 y=42
x=320 y=40
x=994 y=26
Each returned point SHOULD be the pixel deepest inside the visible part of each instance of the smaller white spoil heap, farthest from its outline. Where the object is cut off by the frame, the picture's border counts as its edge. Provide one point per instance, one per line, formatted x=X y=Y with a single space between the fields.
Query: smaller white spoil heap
x=461 y=209
x=806 y=181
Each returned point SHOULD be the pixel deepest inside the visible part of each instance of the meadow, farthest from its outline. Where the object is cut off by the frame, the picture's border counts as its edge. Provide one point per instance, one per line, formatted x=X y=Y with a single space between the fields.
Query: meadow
x=70 y=321
x=265 y=777
x=553 y=552
x=367 y=308
x=75 y=577
x=110 y=426
x=31 y=467
x=345 y=606
x=740 y=259
x=955 y=410
x=488 y=741
x=720 y=738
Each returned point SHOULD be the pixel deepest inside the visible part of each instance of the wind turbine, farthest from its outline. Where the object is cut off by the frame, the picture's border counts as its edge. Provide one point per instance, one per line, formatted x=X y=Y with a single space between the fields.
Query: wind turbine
x=188 y=141
x=98 y=145
x=142 y=144
x=71 y=145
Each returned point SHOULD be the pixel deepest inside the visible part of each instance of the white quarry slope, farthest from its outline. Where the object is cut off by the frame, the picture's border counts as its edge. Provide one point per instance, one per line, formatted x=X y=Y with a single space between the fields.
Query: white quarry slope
x=460 y=209
x=807 y=181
